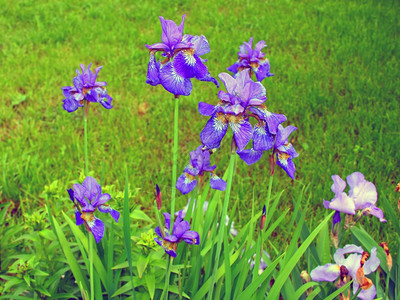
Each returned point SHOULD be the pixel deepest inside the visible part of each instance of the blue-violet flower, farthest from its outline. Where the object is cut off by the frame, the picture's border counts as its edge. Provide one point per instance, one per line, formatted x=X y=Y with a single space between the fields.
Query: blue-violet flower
x=182 y=59
x=252 y=59
x=199 y=163
x=85 y=88
x=87 y=198
x=180 y=232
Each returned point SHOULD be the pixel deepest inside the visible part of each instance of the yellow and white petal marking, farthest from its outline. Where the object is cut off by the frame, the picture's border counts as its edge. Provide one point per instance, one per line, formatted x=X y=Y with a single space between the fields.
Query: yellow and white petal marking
x=188 y=178
x=283 y=157
x=189 y=58
x=235 y=122
x=219 y=122
x=169 y=246
x=89 y=219
x=259 y=128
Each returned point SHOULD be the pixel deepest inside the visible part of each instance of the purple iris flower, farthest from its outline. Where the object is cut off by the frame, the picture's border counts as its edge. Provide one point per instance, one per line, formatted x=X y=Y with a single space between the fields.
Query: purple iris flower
x=362 y=197
x=252 y=59
x=244 y=98
x=199 y=163
x=87 y=198
x=349 y=257
x=180 y=232
x=181 y=61
x=278 y=140
x=86 y=88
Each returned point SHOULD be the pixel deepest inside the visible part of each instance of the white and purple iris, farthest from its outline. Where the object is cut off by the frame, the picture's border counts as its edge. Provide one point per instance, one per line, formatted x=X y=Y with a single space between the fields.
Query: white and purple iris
x=180 y=232
x=362 y=197
x=347 y=261
x=85 y=88
x=181 y=59
x=199 y=163
x=87 y=198
x=253 y=60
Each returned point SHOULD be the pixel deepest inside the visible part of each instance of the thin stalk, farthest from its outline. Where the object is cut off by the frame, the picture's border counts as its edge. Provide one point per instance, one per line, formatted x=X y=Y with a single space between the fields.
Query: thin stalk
x=174 y=161
x=85 y=124
x=222 y=225
x=271 y=179
x=91 y=266
x=164 y=294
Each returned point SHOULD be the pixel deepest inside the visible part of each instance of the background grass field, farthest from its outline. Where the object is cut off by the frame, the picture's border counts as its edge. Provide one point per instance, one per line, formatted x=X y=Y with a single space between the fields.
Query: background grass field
x=336 y=68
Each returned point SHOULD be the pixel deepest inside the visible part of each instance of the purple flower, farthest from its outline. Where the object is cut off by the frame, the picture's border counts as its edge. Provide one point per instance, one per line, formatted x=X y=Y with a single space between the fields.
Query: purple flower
x=180 y=232
x=277 y=140
x=86 y=88
x=347 y=262
x=87 y=198
x=199 y=163
x=252 y=59
x=362 y=197
x=181 y=59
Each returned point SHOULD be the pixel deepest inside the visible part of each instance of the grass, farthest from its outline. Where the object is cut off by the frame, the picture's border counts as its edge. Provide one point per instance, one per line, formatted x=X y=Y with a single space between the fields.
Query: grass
x=336 y=66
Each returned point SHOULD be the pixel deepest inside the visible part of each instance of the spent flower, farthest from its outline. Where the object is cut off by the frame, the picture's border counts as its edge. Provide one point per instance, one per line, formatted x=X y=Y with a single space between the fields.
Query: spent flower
x=253 y=60
x=180 y=232
x=87 y=198
x=181 y=59
x=85 y=88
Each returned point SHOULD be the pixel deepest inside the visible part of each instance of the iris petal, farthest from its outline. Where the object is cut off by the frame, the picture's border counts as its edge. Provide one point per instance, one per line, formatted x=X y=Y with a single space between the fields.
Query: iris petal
x=186 y=183
x=153 y=71
x=189 y=65
x=107 y=209
x=173 y=82
x=214 y=131
x=242 y=131
x=262 y=139
x=250 y=156
x=217 y=183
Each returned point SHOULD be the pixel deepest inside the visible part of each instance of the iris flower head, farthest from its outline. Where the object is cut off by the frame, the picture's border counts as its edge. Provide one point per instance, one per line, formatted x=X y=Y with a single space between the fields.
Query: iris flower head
x=181 y=59
x=362 y=197
x=87 y=198
x=180 y=232
x=85 y=88
x=198 y=165
x=253 y=60
x=348 y=258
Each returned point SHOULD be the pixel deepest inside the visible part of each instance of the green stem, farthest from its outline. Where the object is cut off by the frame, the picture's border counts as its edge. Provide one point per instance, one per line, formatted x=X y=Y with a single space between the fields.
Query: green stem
x=222 y=225
x=174 y=161
x=91 y=266
x=85 y=118
x=268 y=217
x=164 y=294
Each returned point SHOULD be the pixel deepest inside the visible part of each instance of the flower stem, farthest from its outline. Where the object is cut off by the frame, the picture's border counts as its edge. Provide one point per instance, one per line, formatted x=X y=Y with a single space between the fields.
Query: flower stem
x=85 y=118
x=268 y=217
x=174 y=161
x=222 y=225
x=91 y=266
x=164 y=294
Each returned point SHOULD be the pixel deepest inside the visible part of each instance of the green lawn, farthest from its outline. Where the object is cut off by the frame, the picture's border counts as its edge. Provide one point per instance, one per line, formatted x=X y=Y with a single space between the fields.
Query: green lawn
x=336 y=68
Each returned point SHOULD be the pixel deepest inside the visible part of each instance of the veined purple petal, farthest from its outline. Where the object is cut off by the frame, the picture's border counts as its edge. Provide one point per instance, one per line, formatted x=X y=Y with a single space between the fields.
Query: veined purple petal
x=96 y=225
x=101 y=199
x=78 y=82
x=172 y=34
x=199 y=43
x=214 y=131
x=233 y=68
x=191 y=170
x=173 y=82
x=70 y=104
x=71 y=195
x=273 y=120
x=153 y=71
x=206 y=109
x=78 y=219
x=191 y=237
x=170 y=252
x=68 y=91
x=92 y=188
x=79 y=194
x=343 y=203
x=338 y=185
x=283 y=134
x=158 y=232
x=180 y=228
x=328 y=272
x=262 y=139
x=208 y=78
x=263 y=70
x=368 y=294
x=157 y=240
x=259 y=46
x=167 y=218
x=186 y=183
x=217 y=183
x=340 y=253
x=242 y=130
x=372 y=263
x=250 y=156
x=171 y=238
x=375 y=211
x=354 y=179
x=106 y=102
x=228 y=81
x=285 y=162
x=107 y=209
x=361 y=191
x=189 y=65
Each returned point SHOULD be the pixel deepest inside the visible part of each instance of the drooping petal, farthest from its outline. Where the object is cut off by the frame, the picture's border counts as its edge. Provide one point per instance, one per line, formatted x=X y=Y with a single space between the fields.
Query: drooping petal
x=242 y=130
x=173 y=82
x=95 y=225
x=153 y=71
x=262 y=139
x=209 y=78
x=368 y=294
x=180 y=228
x=106 y=102
x=340 y=253
x=285 y=162
x=283 y=134
x=328 y=272
x=234 y=68
x=374 y=211
x=189 y=65
x=158 y=232
x=191 y=237
x=191 y=170
x=206 y=109
x=167 y=218
x=107 y=209
x=217 y=183
x=338 y=185
x=101 y=199
x=263 y=70
x=250 y=156
x=214 y=131
x=343 y=203
x=273 y=120
x=200 y=45
x=70 y=104
x=186 y=183
x=78 y=219
x=372 y=263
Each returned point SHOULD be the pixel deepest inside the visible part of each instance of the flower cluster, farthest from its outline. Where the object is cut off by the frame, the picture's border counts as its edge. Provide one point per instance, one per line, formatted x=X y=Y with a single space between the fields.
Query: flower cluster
x=362 y=197
x=253 y=60
x=350 y=261
x=199 y=163
x=85 y=88
x=181 y=61
x=244 y=99
x=180 y=232
x=87 y=198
